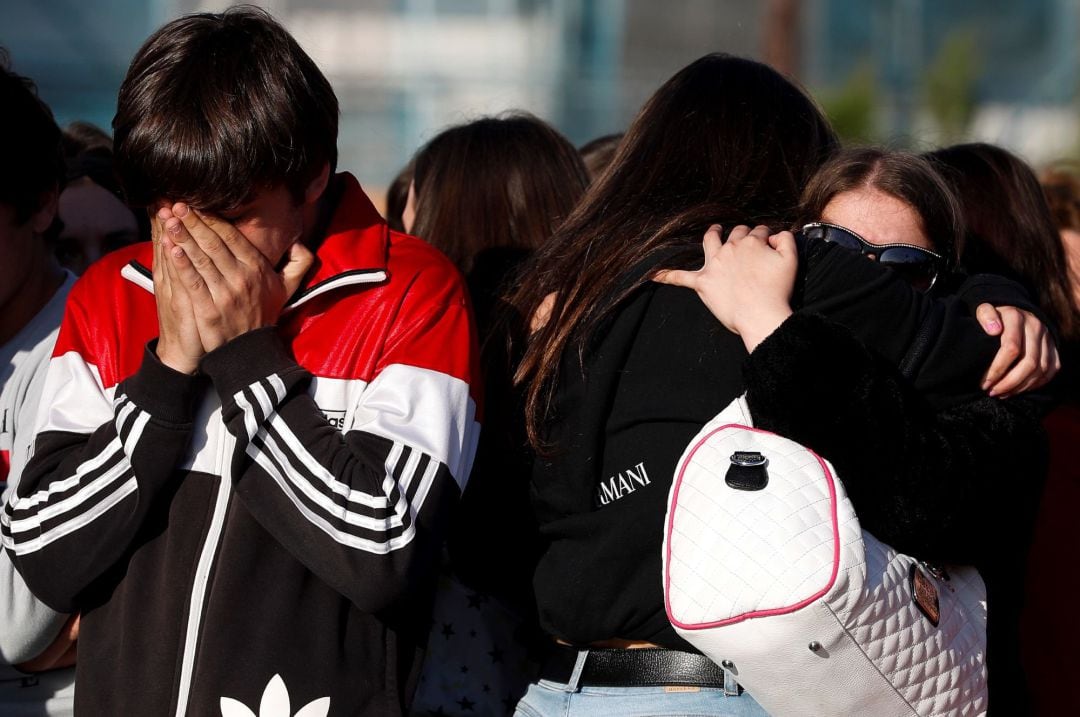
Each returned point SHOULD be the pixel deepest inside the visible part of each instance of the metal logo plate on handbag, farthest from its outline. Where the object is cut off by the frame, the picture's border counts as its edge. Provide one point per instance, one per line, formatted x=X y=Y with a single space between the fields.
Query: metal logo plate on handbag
x=925 y=594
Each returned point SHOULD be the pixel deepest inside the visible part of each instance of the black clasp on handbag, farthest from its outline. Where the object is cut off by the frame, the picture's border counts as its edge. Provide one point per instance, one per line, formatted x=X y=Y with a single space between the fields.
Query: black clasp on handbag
x=747 y=471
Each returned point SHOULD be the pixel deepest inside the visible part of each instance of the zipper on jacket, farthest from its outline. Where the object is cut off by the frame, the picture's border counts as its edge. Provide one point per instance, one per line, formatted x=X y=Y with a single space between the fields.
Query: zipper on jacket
x=204 y=568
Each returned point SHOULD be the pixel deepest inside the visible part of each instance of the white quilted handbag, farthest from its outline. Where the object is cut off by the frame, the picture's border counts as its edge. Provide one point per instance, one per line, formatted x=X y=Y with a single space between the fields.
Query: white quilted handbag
x=767 y=572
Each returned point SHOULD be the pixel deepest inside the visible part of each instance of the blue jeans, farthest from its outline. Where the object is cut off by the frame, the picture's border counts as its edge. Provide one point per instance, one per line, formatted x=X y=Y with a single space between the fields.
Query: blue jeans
x=552 y=699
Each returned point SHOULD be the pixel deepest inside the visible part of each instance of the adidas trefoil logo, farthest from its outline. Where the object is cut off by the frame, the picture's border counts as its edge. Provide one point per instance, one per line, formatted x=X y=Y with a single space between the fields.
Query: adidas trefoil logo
x=275 y=703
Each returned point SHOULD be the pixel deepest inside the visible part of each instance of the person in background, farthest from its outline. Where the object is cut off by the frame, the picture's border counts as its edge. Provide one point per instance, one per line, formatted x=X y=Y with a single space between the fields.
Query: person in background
x=1047 y=641
x=80 y=137
x=37 y=643
x=94 y=218
x=254 y=427
x=488 y=193
x=1012 y=231
x=598 y=153
x=1061 y=186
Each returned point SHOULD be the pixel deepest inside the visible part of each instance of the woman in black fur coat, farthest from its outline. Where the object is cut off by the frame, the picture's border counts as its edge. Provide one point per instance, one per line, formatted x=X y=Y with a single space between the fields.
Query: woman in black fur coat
x=951 y=483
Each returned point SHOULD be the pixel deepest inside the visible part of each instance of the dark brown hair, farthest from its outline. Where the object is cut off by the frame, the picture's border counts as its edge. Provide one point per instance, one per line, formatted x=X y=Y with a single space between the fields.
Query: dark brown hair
x=33 y=161
x=88 y=153
x=216 y=107
x=1010 y=230
x=725 y=140
x=80 y=136
x=598 y=153
x=397 y=196
x=908 y=177
x=502 y=181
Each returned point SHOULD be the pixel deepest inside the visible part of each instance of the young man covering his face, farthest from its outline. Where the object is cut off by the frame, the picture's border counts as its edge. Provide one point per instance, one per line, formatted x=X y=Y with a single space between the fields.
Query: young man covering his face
x=257 y=424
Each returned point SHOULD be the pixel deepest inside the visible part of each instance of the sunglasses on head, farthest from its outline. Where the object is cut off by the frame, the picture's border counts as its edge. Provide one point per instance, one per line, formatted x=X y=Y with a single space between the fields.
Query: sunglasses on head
x=919 y=267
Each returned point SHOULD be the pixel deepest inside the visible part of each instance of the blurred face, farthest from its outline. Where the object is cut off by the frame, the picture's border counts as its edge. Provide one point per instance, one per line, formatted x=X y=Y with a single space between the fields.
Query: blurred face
x=95 y=223
x=21 y=249
x=878 y=217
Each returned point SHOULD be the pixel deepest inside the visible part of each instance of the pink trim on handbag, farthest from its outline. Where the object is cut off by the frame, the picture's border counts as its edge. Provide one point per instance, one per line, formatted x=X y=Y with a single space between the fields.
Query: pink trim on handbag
x=756 y=613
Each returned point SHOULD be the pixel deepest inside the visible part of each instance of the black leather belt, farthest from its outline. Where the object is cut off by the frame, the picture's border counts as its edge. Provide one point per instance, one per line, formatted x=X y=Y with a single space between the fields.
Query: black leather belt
x=642 y=667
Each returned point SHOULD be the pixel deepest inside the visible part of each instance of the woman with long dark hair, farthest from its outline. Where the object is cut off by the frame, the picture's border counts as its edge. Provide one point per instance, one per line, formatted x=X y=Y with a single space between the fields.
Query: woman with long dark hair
x=724 y=140
x=1011 y=230
x=621 y=372
x=500 y=182
x=487 y=193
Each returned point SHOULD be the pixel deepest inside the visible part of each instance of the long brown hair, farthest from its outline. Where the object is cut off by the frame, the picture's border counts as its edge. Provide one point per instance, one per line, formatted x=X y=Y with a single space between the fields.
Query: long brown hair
x=1010 y=230
x=908 y=177
x=504 y=181
x=598 y=153
x=725 y=140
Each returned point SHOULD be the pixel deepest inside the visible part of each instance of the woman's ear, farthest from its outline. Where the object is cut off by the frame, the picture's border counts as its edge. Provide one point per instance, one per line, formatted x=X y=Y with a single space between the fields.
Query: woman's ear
x=317 y=185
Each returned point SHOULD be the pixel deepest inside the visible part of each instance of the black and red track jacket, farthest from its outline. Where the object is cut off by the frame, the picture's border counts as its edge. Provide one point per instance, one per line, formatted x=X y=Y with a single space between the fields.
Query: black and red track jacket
x=263 y=535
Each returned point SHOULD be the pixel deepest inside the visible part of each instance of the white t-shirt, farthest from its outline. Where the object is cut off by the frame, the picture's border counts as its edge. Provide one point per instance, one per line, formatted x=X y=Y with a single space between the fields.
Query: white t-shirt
x=27 y=627
x=24 y=361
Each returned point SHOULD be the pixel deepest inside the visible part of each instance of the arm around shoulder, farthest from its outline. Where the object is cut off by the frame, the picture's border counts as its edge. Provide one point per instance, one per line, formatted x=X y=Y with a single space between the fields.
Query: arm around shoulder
x=934 y=482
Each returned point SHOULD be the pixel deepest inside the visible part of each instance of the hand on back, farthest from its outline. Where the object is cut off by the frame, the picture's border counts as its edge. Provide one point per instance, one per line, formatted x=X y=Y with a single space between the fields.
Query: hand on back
x=746 y=282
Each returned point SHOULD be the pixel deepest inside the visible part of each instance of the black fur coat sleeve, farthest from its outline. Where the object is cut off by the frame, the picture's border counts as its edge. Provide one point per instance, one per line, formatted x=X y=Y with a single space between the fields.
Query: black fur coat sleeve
x=942 y=484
